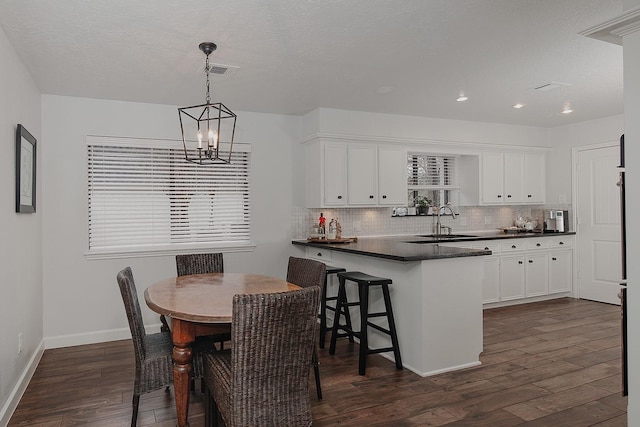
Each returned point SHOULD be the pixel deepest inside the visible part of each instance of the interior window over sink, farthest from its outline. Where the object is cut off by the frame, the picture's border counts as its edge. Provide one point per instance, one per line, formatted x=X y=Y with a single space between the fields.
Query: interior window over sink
x=432 y=176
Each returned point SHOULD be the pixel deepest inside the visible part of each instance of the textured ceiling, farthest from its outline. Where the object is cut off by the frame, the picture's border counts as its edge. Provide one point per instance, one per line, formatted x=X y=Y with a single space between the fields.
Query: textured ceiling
x=410 y=57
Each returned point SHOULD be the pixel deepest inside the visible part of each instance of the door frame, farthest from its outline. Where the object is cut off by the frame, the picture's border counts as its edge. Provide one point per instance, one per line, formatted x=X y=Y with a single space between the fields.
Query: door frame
x=575 y=150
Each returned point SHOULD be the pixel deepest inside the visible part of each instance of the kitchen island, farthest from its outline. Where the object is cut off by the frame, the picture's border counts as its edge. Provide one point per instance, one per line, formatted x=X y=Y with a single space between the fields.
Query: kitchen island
x=438 y=285
x=436 y=296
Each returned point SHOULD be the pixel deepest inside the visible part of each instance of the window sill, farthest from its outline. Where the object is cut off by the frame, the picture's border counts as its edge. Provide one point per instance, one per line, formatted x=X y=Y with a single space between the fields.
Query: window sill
x=141 y=252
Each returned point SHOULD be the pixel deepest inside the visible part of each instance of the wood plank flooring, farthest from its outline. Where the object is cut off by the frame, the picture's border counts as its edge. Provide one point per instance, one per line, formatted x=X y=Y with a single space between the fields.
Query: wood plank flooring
x=553 y=363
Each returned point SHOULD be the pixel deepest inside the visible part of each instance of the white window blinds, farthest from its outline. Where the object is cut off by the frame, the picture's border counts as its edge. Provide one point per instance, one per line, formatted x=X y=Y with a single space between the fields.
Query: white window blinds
x=145 y=197
x=429 y=171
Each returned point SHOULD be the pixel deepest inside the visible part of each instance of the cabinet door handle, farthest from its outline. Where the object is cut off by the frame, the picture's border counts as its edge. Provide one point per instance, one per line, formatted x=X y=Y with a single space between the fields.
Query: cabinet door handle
x=530 y=261
x=513 y=246
x=384 y=196
x=339 y=197
x=519 y=262
x=371 y=197
x=561 y=243
x=529 y=195
x=499 y=196
x=508 y=196
x=554 y=259
x=538 y=244
x=486 y=248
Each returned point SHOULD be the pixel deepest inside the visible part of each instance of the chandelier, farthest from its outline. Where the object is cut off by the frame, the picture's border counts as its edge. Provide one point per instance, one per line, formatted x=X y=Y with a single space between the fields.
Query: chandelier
x=207 y=129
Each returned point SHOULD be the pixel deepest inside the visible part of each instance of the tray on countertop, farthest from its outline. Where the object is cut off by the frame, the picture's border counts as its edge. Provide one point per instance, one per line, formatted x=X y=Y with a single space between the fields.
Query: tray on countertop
x=342 y=240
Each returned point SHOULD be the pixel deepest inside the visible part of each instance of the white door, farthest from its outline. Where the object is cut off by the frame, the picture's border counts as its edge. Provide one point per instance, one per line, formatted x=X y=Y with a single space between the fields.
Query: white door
x=598 y=231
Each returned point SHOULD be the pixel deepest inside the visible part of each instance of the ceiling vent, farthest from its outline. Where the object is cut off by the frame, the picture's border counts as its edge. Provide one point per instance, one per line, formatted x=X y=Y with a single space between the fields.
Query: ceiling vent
x=220 y=71
x=551 y=85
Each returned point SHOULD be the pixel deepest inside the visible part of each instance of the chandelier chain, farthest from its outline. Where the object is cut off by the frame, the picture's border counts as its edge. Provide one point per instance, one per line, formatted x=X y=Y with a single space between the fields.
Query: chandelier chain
x=206 y=69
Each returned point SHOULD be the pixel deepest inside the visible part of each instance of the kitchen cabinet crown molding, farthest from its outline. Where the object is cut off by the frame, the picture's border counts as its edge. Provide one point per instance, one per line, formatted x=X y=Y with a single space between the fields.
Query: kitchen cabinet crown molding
x=449 y=146
x=613 y=30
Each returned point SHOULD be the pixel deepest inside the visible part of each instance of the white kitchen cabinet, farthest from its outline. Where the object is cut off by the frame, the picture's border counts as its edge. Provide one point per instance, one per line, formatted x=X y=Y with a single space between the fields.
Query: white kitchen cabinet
x=491 y=279
x=362 y=182
x=560 y=270
x=512 y=178
x=340 y=174
x=536 y=274
x=534 y=178
x=512 y=276
x=392 y=176
x=492 y=178
x=533 y=267
x=335 y=175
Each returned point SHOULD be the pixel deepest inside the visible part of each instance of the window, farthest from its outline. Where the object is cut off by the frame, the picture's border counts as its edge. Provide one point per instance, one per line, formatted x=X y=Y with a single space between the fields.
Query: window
x=144 y=197
x=433 y=176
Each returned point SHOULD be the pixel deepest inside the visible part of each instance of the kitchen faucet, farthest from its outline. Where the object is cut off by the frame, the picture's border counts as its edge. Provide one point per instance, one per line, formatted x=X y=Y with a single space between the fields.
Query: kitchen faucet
x=439 y=226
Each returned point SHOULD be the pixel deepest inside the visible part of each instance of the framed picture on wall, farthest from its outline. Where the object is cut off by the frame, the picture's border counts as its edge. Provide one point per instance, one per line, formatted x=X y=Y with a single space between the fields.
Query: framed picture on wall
x=25 y=171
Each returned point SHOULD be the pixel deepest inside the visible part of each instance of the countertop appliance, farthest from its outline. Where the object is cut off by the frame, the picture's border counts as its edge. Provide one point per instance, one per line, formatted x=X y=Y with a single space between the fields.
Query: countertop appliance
x=556 y=221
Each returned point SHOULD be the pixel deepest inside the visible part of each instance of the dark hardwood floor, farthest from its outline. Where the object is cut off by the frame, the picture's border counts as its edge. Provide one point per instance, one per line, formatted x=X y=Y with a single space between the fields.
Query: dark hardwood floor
x=554 y=363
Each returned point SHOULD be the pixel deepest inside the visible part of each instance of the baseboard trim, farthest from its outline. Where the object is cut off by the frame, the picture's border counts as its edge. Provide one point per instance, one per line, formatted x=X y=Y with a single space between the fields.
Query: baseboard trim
x=21 y=386
x=94 y=337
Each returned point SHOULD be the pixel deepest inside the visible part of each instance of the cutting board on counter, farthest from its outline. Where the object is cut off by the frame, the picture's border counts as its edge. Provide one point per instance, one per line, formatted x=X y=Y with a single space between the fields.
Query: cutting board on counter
x=342 y=240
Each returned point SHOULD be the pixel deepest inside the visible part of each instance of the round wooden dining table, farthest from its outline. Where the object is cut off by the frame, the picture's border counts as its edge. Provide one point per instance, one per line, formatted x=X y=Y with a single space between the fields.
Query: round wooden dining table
x=201 y=304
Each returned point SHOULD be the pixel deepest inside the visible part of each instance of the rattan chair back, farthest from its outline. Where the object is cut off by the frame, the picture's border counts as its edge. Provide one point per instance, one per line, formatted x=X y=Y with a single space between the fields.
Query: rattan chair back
x=199 y=263
x=264 y=379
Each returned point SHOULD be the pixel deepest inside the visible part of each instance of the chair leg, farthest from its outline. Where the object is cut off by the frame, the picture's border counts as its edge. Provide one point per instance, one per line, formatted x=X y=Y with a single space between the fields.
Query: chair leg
x=336 y=320
x=323 y=313
x=134 y=416
x=364 y=320
x=316 y=371
x=207 y=407
x=215 y=414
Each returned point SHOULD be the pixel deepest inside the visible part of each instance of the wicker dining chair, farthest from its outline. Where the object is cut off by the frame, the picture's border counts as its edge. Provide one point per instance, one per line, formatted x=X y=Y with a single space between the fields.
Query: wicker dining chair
x=202 y=264
x=305 y=273
x=154 y=367
x=263 y=380
x=199 y=263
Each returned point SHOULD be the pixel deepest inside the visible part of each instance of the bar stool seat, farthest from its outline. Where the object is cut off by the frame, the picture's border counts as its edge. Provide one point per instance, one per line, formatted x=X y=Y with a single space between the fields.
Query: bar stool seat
x=323 y=304
x=364 y=281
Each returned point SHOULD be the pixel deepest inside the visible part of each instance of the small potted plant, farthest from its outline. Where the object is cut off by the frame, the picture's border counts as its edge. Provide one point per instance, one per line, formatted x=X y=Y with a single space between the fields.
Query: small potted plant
x=422 y=204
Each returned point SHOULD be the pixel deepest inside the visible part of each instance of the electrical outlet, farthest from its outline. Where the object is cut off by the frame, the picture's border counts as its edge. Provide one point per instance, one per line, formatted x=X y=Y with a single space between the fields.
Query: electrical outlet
x=20 y=343
x=488 y=220
x=357 y=227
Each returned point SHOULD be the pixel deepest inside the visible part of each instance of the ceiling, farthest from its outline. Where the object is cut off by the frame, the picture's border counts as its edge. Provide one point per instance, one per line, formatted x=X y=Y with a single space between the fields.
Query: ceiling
x=410 y=57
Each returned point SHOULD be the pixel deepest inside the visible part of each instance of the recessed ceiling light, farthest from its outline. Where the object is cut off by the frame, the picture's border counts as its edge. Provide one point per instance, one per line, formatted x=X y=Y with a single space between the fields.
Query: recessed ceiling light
x=462 y=98
x=567 y=110
x=518 y=106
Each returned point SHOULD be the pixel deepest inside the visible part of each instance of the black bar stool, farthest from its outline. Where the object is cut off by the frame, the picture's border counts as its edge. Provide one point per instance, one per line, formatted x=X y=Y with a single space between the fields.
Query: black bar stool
x=324 y=307
x=364 y=281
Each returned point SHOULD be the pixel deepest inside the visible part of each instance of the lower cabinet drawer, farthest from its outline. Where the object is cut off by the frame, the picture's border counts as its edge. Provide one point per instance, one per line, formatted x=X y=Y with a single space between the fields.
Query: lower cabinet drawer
x=323 y=255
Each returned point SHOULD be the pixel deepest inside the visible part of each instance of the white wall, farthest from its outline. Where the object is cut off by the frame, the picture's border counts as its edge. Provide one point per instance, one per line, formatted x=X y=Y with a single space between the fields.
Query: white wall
x=81 y=300
x=420 y=129
x=563 y=139
x=20 y=234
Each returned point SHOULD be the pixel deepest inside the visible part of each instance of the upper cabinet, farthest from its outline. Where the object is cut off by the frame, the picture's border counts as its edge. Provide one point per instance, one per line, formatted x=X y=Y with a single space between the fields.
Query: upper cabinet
x=353 y=175
x=392 y=176
x=334 y=175
x=362 y=172
x=512 y=178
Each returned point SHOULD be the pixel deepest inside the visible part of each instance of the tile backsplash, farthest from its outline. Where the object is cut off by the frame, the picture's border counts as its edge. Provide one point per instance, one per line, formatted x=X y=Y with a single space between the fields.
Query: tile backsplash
x=379 y=222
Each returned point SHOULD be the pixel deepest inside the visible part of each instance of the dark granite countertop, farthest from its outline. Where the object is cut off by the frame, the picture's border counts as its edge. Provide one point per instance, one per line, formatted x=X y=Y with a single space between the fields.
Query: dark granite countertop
x=416 y=248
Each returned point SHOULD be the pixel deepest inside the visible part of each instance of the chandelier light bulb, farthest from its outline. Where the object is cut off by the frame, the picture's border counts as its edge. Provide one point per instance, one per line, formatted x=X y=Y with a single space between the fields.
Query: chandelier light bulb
x=199 y=138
